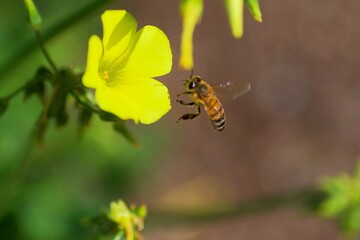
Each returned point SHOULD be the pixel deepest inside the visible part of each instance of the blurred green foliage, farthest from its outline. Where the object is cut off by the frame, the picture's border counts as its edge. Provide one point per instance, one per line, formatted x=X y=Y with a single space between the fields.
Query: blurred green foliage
x=45 y=193
x=70 y=179
x=342 y=200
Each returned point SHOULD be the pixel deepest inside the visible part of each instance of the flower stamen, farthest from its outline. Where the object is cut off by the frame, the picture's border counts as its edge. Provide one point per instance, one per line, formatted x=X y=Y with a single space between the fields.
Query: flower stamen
x=105 y=75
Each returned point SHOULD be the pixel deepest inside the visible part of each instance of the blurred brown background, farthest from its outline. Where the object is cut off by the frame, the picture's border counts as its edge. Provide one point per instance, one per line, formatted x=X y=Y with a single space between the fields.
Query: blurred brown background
x=299 y=123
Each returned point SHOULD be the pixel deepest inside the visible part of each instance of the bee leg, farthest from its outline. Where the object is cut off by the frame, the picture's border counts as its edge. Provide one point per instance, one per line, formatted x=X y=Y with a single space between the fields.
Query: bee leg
x=184 y=93
x=185 y=103
x=190 y=116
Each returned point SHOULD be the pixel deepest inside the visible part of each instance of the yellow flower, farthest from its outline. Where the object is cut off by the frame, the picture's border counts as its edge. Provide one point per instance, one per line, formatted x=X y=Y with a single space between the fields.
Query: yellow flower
x=120 y=214
x=121 y=68
x=129 y=220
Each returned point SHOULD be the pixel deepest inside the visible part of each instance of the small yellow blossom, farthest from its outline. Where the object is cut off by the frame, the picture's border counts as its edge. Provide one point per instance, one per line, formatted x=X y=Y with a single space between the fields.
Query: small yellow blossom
x=130 y=221
x=121 y=68
x=120 y=214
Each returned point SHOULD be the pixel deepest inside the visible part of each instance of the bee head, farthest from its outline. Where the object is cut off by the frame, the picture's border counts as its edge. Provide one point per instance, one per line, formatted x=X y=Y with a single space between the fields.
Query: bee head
x=192 y=83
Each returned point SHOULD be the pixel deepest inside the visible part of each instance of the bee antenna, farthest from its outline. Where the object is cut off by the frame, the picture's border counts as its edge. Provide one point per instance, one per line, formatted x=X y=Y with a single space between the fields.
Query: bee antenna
x=184 y=80
x=192 y=72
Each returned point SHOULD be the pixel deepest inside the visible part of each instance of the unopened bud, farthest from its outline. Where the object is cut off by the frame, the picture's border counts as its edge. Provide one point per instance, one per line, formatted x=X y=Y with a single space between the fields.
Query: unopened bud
x=234 y=9
x=34 y=16
x=254 y=9
x=191 y=12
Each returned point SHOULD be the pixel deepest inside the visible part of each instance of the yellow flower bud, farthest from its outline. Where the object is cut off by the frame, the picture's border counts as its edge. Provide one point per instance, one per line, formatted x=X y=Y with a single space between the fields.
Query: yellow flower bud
x=191 y=12
x=234 y=9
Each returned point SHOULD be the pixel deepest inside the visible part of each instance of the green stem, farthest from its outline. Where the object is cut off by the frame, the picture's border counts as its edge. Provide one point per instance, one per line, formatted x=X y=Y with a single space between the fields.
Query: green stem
x=260 y=204
x=15 y=92
x=22 y=88
x=30 y=46
x=44 y=116
x=45 y=52
x=82 y=103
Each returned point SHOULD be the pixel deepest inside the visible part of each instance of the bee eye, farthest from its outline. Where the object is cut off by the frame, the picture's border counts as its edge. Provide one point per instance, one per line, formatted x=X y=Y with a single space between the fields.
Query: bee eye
x=192 y=85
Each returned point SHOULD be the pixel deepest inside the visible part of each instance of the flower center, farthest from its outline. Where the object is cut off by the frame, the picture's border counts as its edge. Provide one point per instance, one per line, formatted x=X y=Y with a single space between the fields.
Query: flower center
x=105 y=75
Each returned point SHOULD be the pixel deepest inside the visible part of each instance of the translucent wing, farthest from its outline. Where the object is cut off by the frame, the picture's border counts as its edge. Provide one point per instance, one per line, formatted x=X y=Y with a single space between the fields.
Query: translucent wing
x=231 y=90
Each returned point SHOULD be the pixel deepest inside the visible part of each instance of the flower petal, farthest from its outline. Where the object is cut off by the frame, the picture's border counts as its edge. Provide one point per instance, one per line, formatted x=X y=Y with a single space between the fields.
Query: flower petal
x=91 y=76
x=150 y=55
x=191 y=11
x=144 y=100
x=119 y=29
x=234 y=9
x=186 y=53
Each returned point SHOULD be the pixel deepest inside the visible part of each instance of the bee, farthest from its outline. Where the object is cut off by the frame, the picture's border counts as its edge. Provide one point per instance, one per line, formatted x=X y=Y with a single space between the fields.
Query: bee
x=203 y=94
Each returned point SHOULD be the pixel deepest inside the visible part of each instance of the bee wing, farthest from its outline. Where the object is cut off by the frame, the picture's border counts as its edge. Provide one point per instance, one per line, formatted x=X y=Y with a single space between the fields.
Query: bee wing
x=232 y=90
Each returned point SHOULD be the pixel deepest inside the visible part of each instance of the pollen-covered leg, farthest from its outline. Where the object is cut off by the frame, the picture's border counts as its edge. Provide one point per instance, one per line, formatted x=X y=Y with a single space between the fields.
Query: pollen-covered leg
x=185 y=103
x=184 y=93
x=190 y=116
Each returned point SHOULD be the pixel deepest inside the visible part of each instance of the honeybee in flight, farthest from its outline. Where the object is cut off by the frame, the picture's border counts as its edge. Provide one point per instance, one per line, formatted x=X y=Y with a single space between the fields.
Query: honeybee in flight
x=203 y=93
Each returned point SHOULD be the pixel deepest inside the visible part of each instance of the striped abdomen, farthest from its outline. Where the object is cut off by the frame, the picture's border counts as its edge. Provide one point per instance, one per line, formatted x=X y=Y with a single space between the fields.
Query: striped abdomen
x=216 y=113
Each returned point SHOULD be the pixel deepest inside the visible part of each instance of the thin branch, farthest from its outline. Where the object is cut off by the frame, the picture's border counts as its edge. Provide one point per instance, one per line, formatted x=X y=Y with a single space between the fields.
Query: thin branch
x=15 y=92
x=258 y=205
x=82 y=103
x=30 y=46
x=44 y=115
x=45 y=52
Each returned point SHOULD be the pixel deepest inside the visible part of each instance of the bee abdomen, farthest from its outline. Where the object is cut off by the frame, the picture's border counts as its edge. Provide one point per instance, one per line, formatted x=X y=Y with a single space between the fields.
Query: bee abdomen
x=217 y=116
x=219 y=123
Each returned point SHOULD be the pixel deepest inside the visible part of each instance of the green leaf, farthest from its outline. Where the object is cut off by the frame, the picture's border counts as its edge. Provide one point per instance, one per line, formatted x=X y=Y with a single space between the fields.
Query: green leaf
x=353 y=221
x=85 y=116
x=57 y=108
x=62 y=116
x=108 y=117
x=342 y=201
x=101 y=225
x=122 y=129
x=37 y=84
x=68 y=79
x=34 y=87
x=121 y=235
x=140 y=211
